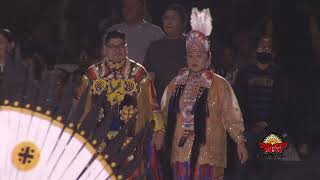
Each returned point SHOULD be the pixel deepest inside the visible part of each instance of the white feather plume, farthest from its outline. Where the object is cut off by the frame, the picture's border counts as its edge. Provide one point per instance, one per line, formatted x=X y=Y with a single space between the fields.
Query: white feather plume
x=201 y=21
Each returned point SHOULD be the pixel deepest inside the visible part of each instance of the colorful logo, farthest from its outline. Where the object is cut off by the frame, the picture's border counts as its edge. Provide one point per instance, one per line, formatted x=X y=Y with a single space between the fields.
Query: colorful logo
x=273 y=146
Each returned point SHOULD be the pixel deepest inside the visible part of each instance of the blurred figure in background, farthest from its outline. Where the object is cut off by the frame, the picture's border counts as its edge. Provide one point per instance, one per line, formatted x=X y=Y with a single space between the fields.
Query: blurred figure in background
x=262 y=92
x=166 y=57
x=139 y=32
x=227 y=67
x=308 y=138
x=244 y=53
x=42 y=41
x=7 y=45
x=35 y=59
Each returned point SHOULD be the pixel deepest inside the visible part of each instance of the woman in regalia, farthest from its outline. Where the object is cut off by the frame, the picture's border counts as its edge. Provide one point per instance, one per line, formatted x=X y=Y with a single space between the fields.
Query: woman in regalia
x=199 y=107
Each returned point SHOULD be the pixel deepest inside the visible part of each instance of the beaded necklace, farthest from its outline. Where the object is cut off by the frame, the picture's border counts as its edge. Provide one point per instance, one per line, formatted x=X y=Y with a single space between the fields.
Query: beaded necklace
x=193 y=83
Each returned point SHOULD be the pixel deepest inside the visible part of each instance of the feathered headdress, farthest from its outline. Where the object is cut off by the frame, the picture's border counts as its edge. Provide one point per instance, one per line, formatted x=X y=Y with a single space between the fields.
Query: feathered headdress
x=201 y=23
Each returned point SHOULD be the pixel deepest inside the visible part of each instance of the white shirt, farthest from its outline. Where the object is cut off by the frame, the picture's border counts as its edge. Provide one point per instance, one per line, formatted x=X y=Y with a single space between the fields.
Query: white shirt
x=139 y=37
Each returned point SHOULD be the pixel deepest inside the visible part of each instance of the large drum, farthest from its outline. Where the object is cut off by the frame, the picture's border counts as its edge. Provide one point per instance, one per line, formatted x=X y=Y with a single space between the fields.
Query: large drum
x=40 y=140
x=33 y=146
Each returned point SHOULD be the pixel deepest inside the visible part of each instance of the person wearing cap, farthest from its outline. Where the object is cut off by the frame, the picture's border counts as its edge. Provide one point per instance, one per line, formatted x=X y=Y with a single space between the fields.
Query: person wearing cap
x=128 y=91
x=262 y=92
x=199 y=106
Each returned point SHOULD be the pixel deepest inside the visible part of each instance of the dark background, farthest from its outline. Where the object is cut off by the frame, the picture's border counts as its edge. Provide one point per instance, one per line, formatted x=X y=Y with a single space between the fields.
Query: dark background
x=42 y=19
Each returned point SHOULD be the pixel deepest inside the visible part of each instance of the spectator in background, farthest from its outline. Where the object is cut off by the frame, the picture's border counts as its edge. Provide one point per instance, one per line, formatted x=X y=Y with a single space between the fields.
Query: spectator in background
x=307 y=137
x=41 y=42
x=166 y=57
x=35 y=59
x=228 y=67
x=7 y=45
x=262 y=93
x=244 y=53
x=139 y=33
x=311 y=133
x=62 y=76
x=114 y=18
x=76 y=81
x=7 y=53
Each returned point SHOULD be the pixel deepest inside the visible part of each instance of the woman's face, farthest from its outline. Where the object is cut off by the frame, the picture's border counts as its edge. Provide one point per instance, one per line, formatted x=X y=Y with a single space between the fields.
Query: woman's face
x=172 y=24
x=197 y=60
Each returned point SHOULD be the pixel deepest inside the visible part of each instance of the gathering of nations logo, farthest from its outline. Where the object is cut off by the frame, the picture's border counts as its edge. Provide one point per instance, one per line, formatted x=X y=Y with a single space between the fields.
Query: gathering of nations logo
x=273 y=146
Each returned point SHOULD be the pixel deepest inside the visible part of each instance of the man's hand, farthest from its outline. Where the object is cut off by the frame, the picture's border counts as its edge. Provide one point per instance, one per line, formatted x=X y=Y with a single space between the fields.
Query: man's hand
x=242 y=152
x=158 y=139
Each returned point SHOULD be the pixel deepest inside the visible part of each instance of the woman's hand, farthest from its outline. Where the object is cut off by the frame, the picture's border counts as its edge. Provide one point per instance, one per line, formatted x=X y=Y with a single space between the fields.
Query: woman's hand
x=242 y=152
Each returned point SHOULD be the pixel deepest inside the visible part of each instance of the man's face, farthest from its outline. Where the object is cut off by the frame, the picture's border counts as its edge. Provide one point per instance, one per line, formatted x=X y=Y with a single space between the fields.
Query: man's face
x=116 y=50
x=133 y=10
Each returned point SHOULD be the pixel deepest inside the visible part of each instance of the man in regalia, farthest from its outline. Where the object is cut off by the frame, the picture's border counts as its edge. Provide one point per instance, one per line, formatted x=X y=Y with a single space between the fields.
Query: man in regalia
x=129 y=94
